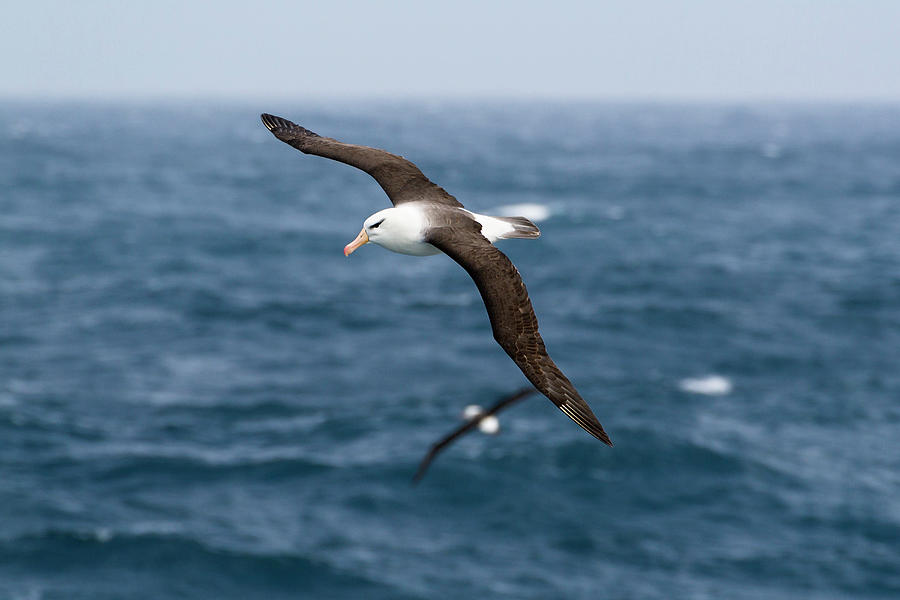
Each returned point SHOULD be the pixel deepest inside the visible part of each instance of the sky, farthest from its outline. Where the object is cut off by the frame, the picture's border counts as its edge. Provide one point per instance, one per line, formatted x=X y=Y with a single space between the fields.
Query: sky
x=804 y=50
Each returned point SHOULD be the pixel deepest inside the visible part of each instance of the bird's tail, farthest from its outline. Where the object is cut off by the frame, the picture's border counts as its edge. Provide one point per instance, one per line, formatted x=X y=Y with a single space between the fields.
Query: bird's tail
x=521 y=228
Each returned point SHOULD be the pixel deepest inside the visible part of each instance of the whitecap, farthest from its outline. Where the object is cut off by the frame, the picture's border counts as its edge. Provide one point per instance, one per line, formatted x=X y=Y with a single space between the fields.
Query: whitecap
x=711 y=385
x=615 y=213
x=771 y=150
x=530 y=210
x=103 y=534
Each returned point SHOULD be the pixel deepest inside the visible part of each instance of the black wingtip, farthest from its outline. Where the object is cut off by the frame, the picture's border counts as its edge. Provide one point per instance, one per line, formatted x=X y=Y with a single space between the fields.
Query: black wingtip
x=284 y=129
x=580 y=412
x=423 y=466
x=597 y=432
x=272 y=122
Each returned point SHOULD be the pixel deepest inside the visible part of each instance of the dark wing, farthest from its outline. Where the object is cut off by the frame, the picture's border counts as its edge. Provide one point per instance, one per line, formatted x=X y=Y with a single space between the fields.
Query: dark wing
x=512 y=317
x=465 y=428
x=401 y=180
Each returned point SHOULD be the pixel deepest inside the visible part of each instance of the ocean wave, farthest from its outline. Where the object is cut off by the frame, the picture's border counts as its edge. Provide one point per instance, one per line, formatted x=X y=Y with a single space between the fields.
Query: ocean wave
x=68 y=557
x=199 y=392
x=711 y=385
x=529 y=210
x=127 y=461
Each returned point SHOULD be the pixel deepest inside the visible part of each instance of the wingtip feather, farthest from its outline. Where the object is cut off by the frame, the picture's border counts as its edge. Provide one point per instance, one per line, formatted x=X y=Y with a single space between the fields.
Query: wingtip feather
x=272 y=122
x=598 y=433
x=582 y=415
x=285 y=130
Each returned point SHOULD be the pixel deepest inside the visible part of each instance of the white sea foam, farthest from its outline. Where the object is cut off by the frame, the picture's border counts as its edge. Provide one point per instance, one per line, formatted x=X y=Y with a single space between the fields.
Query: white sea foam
x=615 y=213
x=103 y=534
x=711 y=385
x=771 y=150
x=530 y=210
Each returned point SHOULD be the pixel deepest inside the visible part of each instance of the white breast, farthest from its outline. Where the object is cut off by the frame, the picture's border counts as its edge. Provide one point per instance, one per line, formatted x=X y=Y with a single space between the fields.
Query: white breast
x=415 y=248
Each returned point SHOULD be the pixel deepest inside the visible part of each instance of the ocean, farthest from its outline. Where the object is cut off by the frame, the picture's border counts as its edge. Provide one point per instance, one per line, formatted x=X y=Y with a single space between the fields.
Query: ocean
x=201 y=397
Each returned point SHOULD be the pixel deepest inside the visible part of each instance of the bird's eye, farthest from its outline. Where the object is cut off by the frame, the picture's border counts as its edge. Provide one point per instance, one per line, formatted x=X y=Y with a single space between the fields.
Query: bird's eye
x=375 y=225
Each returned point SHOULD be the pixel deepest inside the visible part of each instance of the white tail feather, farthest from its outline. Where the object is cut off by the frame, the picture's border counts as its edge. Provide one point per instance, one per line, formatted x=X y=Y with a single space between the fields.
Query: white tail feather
x=504 y=228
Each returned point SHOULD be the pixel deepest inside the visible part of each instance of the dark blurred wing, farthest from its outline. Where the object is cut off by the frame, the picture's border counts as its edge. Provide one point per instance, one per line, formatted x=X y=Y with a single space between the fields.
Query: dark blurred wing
x=443 y=443
x=512 y=317
x=466 y=427
x=401 y=180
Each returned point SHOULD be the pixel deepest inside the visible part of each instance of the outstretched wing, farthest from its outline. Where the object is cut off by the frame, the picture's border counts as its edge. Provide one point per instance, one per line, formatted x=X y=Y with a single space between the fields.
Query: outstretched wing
x=512 y=317
x=401 y=180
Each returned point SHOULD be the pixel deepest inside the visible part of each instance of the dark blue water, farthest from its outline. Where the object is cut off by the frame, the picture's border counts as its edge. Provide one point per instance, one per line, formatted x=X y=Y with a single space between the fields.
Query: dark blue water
x=200 y=397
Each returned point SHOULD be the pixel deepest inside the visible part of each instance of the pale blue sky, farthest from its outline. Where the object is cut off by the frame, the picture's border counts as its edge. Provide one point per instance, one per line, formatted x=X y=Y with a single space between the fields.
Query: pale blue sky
x=641 y=49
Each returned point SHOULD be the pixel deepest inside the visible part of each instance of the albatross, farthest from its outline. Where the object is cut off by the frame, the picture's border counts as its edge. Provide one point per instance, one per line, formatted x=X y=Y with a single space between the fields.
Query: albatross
x=474 y=419
x=426 y=220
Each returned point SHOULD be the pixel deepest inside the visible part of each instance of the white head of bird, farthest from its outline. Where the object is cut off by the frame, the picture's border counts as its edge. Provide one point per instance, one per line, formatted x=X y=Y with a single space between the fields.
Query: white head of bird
x=400 y=229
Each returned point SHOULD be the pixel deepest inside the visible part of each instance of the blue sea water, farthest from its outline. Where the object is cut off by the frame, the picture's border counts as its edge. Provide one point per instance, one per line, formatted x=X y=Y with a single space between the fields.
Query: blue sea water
x=200 y=397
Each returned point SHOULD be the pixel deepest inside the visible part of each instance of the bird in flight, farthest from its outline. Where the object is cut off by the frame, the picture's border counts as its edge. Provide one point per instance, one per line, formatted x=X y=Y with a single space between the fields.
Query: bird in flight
x=472 y=422
x=426 y=220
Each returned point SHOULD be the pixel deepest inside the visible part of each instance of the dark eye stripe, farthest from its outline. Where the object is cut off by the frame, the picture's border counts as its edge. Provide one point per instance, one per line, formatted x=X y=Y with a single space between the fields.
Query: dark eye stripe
x=375 y=225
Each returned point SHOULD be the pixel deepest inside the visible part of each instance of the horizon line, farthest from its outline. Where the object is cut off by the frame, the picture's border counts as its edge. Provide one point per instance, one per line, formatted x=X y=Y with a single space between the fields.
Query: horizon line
x=357 y=98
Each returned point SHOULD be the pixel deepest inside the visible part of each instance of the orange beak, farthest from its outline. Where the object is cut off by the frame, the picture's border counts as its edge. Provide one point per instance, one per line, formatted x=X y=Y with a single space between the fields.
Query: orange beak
x=361 y=240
